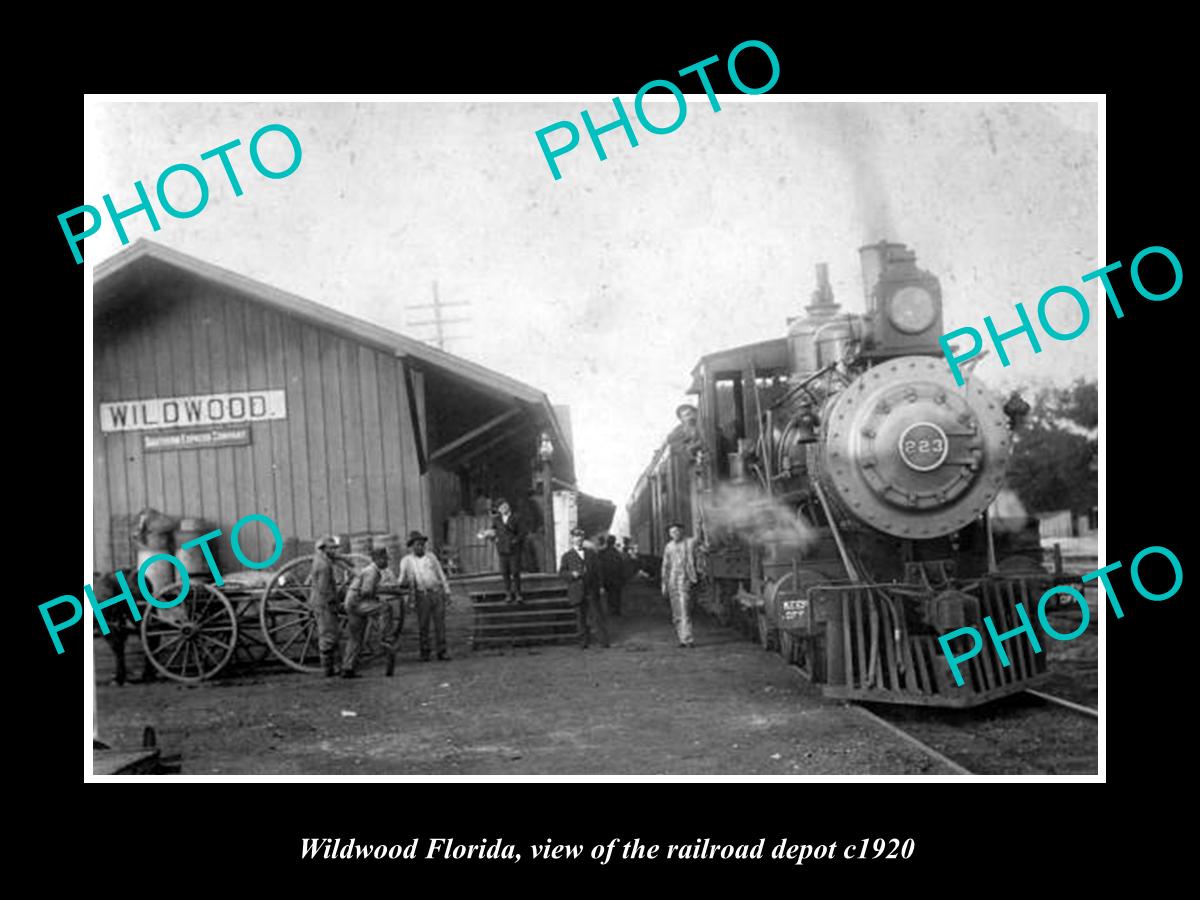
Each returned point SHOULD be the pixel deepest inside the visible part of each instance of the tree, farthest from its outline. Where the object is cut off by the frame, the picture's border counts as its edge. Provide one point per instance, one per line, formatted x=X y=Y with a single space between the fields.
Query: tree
x=1054 y=453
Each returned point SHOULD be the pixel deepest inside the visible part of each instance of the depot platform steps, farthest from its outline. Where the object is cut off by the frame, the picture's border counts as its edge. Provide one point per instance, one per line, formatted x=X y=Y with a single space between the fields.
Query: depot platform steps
x=545 y=616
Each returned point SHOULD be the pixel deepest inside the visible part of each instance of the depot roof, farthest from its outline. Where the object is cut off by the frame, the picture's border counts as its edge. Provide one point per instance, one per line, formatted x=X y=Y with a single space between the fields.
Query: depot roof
x=110 y=274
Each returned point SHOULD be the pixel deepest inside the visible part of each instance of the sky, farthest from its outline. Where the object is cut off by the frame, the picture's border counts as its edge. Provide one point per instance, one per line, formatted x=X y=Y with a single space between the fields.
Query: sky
x=604 y=288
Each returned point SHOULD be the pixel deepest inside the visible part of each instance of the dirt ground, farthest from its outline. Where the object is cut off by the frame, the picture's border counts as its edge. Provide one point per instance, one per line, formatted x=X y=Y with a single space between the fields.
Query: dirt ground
x=643 y=706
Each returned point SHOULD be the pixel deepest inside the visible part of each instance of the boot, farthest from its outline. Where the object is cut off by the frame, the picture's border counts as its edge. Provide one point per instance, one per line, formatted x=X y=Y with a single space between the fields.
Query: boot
x=327 y=664
x=391 y=660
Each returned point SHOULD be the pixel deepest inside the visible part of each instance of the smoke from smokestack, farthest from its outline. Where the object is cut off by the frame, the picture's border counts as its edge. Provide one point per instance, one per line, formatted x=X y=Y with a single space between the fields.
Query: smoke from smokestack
x=743 y=509
x=855 y=138
x=1008 y=512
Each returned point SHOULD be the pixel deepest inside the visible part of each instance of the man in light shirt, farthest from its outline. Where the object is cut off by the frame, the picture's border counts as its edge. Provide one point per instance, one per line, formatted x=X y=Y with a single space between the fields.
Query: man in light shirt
x=423 y=573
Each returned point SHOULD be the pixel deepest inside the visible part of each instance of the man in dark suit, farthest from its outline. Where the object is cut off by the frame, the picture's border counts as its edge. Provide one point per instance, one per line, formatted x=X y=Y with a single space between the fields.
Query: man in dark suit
x=581 y=569
x=509 y=533
x=612 y=574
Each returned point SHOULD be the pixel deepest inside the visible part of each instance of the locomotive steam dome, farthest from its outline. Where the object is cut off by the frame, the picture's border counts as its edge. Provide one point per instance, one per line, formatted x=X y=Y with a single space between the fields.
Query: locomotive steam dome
x=911 y=453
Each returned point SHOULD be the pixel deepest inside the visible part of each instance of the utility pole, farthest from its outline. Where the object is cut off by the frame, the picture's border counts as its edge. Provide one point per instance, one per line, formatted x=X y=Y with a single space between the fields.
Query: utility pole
x=439 y=321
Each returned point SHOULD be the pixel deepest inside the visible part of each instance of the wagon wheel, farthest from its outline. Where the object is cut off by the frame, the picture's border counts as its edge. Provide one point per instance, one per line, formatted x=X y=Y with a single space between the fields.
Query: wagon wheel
x=193 y=640
x=251 y=649
x=289 y=625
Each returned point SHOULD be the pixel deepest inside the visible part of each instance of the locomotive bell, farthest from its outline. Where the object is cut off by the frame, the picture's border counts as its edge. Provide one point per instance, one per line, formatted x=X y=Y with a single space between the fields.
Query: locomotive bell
x=911 y=454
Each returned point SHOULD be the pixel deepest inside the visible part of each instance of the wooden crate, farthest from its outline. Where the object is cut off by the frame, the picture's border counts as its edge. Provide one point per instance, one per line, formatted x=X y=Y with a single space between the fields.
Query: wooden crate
x=475 y=556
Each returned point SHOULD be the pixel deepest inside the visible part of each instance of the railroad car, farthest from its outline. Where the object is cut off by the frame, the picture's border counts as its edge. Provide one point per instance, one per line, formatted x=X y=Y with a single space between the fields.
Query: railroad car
x=663 y=494
x=838 y=483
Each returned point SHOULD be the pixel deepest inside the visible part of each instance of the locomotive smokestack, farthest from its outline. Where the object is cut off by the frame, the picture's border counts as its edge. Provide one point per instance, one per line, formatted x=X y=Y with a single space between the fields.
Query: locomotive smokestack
x=822 y=297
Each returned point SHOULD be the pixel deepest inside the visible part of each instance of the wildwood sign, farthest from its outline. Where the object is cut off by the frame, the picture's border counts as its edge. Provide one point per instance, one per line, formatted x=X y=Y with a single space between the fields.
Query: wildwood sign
x=197 y=410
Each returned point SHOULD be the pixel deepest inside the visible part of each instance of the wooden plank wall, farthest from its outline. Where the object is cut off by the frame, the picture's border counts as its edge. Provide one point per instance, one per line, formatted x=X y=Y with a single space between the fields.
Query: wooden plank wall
x=475 y=556
x=445 y=500
x=343 y=461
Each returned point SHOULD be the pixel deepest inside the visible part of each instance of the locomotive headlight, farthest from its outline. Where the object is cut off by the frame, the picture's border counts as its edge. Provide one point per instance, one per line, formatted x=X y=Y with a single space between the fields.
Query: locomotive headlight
x=912 y=309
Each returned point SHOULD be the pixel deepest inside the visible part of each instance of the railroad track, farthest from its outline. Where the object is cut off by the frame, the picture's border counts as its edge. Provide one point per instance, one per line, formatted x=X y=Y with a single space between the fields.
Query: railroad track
x=1026 y=734
x=1019 y=735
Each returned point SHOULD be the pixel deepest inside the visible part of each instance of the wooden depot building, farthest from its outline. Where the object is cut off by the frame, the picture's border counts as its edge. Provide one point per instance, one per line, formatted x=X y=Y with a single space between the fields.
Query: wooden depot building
x=217 y=396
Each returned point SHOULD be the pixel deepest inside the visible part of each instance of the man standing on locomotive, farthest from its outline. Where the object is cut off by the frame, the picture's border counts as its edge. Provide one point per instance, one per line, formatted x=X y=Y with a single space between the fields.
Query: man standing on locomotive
x=362 y=602
x=322 y=600
x=678 y=577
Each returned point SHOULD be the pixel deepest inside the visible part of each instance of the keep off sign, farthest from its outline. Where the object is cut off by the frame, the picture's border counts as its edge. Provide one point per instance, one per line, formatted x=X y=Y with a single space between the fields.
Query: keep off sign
x=794 y=609
x=196 y=410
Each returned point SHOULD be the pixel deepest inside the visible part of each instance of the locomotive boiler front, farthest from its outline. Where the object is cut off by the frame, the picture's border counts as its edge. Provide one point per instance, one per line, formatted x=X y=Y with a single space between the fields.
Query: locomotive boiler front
x=908 y=452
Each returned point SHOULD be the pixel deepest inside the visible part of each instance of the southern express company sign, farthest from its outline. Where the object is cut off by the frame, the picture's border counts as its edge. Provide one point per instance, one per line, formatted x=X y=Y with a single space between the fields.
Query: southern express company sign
x=195 y=411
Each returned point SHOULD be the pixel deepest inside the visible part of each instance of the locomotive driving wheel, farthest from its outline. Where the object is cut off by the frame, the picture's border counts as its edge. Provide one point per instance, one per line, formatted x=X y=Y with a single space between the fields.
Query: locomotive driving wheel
x=289 y=625
x=787 y=646
x=768 y=636
x=193 y=640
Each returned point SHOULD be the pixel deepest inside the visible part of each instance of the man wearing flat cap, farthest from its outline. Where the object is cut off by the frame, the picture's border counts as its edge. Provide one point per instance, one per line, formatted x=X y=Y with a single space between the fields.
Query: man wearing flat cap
x=322 y=600
x=422 y=572
x=580 y=567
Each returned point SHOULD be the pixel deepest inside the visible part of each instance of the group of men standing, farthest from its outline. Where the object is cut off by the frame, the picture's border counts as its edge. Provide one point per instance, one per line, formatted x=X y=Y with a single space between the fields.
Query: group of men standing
x=375 y=591
x=587 y=570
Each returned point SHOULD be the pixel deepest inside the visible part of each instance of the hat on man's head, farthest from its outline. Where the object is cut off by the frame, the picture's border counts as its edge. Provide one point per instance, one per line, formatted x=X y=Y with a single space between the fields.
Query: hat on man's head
x=578 y=532
x=328 y=541
x=414 y=536
x=676 y=524
x=683 y=407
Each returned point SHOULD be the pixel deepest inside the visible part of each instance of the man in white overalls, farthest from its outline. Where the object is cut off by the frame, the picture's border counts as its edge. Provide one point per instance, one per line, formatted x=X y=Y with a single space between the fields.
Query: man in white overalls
x=678 y=577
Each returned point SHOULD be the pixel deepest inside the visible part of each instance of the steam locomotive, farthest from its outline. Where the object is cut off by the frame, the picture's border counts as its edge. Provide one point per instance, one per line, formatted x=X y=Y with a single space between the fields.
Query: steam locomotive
x=838 y=483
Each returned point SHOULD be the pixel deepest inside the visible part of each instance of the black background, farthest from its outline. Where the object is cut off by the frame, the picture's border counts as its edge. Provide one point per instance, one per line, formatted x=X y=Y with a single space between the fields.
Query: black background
x=973 y=828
